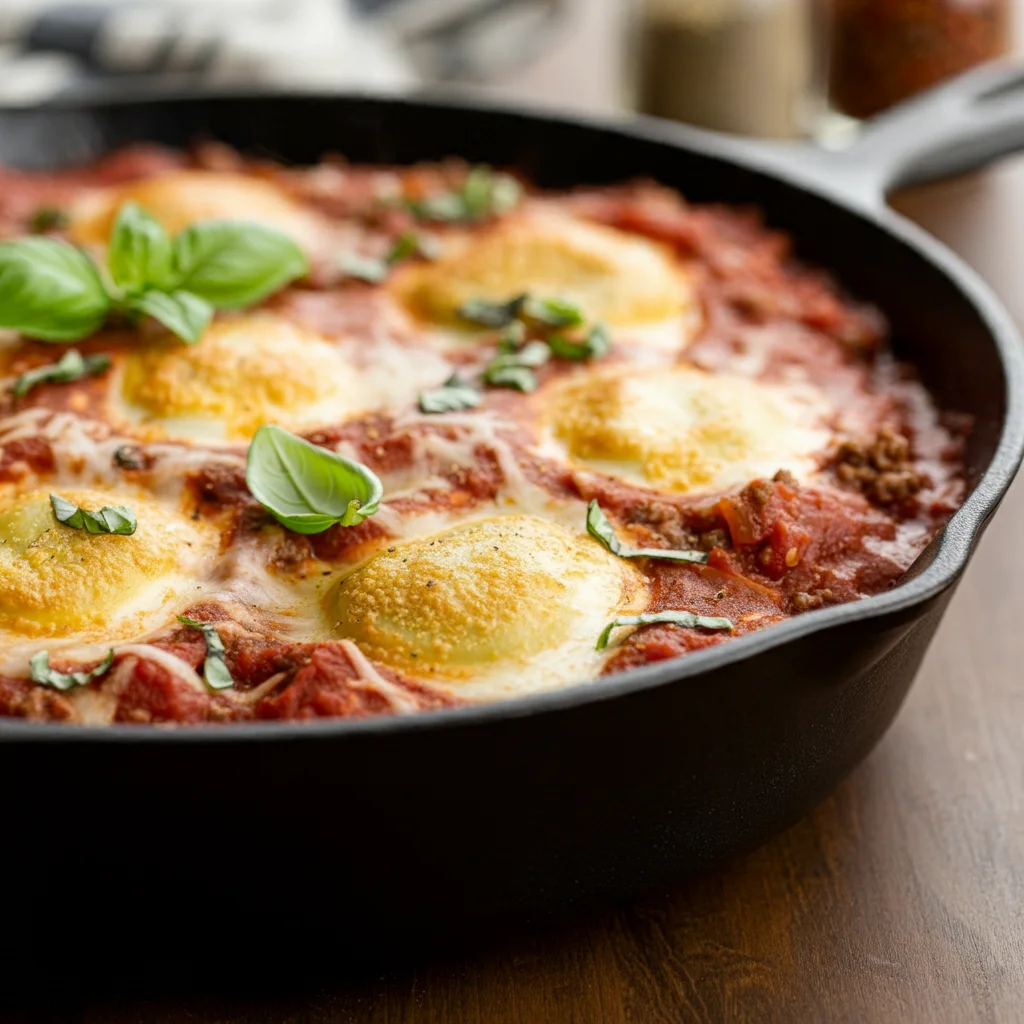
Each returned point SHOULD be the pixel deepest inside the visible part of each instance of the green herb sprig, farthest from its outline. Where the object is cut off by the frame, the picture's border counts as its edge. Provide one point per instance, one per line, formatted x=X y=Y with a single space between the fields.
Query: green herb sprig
x=307 y=488
x=54 y=292
x=70 y=367
x=601 y=530
x=40 y=672
x=117 y=519
x=216 y=673
x=675 y=618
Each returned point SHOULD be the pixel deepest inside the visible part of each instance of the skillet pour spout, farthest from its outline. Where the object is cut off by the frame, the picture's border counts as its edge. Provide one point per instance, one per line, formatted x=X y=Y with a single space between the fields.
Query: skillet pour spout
x=383 y=832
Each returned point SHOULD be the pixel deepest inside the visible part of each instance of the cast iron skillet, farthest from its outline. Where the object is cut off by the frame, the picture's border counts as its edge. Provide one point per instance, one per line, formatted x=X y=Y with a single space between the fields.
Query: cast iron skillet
x=402 y=828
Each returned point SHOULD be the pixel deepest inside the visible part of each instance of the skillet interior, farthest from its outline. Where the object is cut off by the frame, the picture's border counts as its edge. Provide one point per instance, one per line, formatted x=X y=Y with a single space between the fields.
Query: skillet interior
x=443 y=819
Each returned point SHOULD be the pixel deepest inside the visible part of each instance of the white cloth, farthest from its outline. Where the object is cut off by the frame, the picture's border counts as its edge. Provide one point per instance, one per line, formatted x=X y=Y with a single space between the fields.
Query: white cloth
x=49 y=47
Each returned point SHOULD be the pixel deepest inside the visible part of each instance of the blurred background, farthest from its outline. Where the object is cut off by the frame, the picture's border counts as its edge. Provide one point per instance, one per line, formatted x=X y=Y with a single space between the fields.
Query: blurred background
x=771 y=68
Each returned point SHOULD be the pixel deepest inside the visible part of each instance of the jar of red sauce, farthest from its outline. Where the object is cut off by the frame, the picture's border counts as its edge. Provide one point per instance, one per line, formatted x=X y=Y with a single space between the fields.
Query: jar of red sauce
x=882 y=51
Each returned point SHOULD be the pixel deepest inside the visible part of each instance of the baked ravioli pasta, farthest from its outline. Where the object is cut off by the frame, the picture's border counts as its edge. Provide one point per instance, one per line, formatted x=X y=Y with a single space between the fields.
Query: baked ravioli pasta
x=475 y=441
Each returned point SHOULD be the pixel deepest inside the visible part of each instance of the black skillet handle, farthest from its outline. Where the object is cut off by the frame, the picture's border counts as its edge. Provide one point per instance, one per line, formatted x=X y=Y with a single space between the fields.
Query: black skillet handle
x=955 y=127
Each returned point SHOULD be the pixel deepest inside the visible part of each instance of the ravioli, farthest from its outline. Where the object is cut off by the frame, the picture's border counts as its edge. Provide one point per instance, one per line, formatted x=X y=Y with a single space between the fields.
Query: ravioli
x=244 y=372
x=682 y=430
x=492 y=606
x=180 y=198
x=62 y=582
x=611 y=275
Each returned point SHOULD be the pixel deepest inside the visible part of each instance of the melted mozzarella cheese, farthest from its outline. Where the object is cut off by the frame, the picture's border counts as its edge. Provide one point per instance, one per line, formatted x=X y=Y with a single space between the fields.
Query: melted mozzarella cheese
x=681 y=429
x=61 y=582
x=261 y=368
x=180 y=198
x=489 y=608
x=613 y=276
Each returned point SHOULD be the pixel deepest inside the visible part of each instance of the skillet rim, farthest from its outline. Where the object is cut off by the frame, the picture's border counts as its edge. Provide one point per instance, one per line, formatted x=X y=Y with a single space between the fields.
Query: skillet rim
x=955 y=542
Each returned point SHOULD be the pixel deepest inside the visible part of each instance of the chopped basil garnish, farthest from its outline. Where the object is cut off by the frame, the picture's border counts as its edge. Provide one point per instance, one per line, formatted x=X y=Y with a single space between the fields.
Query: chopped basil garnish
x=52 y=291
x=484 y=193
x=70 y=367
x=685 y=619
x=110 y=519
x=40 y=672
x=48 y=218
x=520 y=378
x=513 y=365
x=482 y=313
x=515 y=369
x=405 y=246
x=552 y=312
x=600 y=529
x=453 y=395
x=126 y=457
x=373 y=271
x=596 y=344
x=512 y=337
x=305 y=487
x=216 y=673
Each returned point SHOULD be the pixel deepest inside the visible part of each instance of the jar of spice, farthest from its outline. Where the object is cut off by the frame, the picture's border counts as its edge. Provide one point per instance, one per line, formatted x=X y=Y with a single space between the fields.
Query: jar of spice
x=744 y=66
x=882 y=51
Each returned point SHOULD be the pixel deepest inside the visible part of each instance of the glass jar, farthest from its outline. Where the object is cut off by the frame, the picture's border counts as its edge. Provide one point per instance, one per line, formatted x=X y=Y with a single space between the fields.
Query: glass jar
x=743 y=66
x=882 y=51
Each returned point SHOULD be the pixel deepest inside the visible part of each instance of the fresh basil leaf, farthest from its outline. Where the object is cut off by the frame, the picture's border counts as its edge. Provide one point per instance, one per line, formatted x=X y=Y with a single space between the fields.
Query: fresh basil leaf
x=305 y=487
x=139 y=255
x=235 y=263
x=50 y=290
x=48 y=218
x=110 y=519
x=552 y=312
x=596 y=344
x=520 y=378
x=455 y=394
x=686 y=619
x=70 y=367
x=482 y=313
x=600 y=529
x=484 y=193
x=216 y=673
x=181 y=312
x=40 y=672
